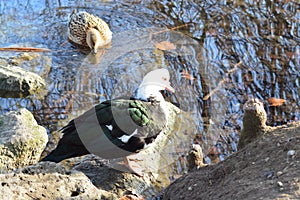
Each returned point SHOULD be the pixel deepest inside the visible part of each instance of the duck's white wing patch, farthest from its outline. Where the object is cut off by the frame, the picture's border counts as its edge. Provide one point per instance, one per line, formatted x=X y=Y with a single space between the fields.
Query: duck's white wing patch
x=110 y=127
x=125 y=138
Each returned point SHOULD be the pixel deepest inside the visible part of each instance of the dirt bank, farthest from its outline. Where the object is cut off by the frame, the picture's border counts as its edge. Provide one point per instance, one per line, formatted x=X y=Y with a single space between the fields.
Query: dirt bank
x=267 y=168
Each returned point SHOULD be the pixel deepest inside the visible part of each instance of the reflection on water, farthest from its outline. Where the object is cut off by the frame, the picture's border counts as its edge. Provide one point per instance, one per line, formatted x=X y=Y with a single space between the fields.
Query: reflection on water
x=264 y=35
x=232 y=50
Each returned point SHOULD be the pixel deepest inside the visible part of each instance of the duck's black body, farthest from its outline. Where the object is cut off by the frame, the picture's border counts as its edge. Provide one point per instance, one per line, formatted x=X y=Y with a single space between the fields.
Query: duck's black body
x=100 y=129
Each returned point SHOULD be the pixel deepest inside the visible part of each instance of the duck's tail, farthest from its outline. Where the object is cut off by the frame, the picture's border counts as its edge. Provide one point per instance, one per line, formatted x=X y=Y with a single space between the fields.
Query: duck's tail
x=68 y=147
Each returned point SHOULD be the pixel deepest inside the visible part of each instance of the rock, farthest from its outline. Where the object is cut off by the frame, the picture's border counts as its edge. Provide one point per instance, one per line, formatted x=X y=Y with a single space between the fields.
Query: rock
x=279 y=173
x=112 y=180
x=36 y=62
x=254 y=122
x=17 y=82
x=17 y=60
x=291 y=153
x=22 y=140
x=280 y=184
x=48 y=180
x=21 y=72
x=195 y=157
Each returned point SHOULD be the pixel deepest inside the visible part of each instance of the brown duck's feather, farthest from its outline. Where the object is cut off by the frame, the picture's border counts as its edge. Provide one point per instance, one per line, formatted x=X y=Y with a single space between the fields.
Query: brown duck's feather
x=81 y=22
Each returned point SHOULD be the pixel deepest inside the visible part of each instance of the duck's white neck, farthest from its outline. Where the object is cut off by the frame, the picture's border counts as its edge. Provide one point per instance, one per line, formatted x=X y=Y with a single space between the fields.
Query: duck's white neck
x=144 y=92
x=152 y=92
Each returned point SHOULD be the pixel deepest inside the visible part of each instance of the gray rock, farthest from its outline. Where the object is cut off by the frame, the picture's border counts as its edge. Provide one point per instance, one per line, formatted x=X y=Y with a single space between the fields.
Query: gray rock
x=22 y=140
x=48 y=180
x=17 y=82
x=112 y=180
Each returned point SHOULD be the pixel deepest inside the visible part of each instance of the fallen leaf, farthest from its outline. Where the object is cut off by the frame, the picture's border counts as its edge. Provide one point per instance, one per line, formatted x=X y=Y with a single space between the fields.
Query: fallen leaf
x=213 y=154
x=213 y=151
x=165 y=45
x=187 y=75
x=69 y=105
x=212 y=32
x=275 y=101
x=290 y=54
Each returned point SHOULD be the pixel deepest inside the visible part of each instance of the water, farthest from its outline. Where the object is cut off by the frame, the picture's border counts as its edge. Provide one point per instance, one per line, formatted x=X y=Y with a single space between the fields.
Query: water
x=232 y=50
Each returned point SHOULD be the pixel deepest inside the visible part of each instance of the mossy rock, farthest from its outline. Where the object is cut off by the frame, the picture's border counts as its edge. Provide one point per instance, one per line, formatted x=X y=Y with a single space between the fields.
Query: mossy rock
x=22 y=140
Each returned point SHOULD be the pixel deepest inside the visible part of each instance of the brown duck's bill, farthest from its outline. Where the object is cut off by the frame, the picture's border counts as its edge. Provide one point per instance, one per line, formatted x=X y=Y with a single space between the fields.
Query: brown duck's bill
x=94 y=51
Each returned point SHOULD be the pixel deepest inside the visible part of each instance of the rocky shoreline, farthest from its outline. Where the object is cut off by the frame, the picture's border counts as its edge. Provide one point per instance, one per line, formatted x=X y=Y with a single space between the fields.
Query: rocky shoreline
x=87 y=178
x=268 y=167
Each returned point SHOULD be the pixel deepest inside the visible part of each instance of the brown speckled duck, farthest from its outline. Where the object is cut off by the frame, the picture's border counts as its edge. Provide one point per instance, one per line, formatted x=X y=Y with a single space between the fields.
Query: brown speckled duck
x=88 y=30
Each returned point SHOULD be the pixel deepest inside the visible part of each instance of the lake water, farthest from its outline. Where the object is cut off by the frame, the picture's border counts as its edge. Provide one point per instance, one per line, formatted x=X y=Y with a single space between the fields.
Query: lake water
x=230 y=51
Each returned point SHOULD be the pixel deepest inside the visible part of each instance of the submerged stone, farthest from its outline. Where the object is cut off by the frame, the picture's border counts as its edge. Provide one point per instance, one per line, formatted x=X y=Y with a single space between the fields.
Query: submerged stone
x=17 y=82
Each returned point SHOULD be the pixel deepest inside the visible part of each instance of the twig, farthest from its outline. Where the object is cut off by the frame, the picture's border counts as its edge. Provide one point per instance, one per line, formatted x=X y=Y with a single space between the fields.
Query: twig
x=26 y=49
x=165 y=30
x=236 y=66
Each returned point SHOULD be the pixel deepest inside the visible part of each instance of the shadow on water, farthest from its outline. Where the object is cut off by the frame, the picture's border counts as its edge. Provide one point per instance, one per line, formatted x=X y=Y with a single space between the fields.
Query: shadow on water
x=229 y=50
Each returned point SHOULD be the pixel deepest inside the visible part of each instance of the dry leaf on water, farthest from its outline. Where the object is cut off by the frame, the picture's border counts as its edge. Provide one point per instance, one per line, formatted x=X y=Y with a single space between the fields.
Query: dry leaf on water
x=275 y=101
x=165 y=45
x=187 y=75
x=213 y=151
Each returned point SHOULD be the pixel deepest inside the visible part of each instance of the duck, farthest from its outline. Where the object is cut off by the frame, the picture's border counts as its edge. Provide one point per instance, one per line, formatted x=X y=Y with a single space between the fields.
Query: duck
x=88 y=30
x=119 y=127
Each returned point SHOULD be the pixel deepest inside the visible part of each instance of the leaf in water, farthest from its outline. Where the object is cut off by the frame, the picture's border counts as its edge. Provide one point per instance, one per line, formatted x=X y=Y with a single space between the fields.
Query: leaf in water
x=274 y=56
x=69 y=105
x=213 y=154
x=213 y=151
x=290 y=54
x=187 y=75
x=275 y=101
x=212 y=32
x=165 y=45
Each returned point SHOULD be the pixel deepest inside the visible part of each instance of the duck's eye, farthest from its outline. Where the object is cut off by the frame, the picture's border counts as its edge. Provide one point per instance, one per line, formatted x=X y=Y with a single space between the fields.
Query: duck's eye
x=164 y=78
